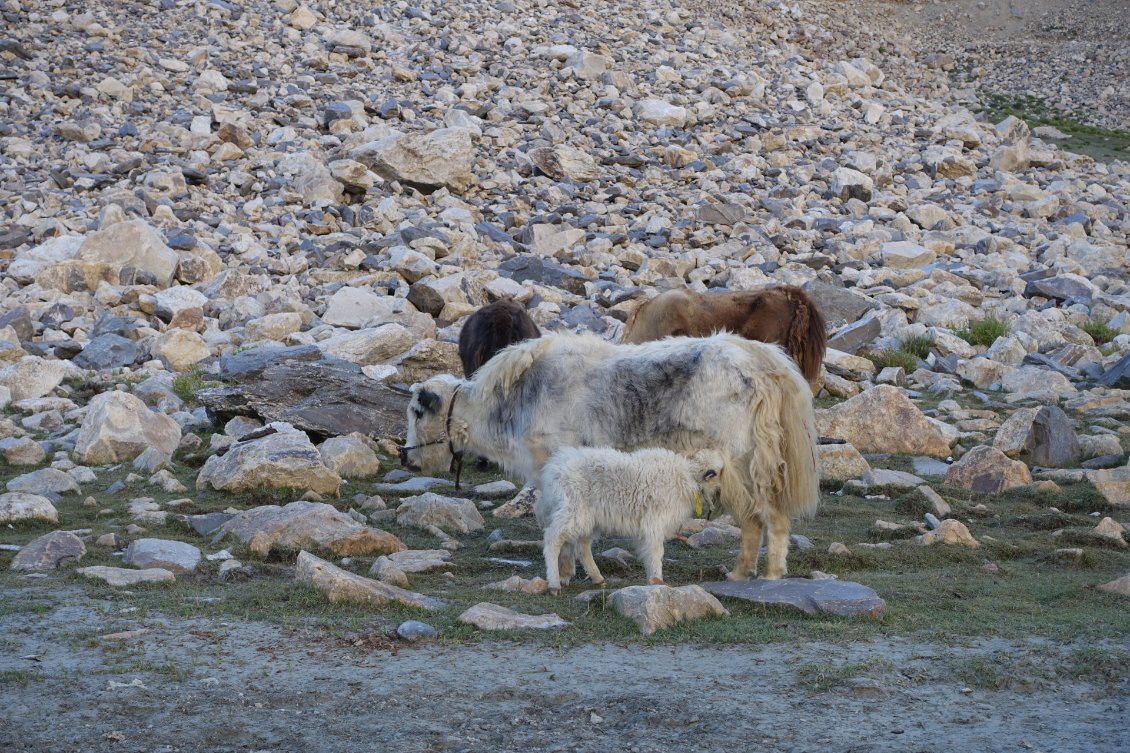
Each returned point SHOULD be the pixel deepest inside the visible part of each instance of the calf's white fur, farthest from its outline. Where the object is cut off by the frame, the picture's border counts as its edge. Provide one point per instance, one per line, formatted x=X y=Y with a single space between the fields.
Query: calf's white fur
x=645 y=494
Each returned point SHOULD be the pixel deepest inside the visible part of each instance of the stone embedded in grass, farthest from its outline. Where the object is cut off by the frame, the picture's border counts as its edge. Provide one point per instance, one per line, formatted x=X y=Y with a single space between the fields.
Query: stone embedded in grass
x=884 y=478
x=118 y=427
x=447 y=513
x=122 y=577
x=283 y=459
x=43 y=481
x=302 y=525
x=22 y=451
x=343 y=586
x=421 y=560
x=987 y=470
x=49 y=552
x=487 y=616
x=952 y=532
x=1113 y=484
x=521 y=506
x=177 y=556
x=1111 y=530
x=840 y=462
x=835 y=597
x=414 y=630
x=416 y=484
x=656 y=607
x=518 y=584
x=1039 y=436
x=495 y=488
x=386 y=571
x=19 y=506
x=1120 y=586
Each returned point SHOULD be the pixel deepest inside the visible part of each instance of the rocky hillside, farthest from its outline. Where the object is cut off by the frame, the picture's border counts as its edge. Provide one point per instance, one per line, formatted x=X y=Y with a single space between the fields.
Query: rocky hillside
x=190 y=186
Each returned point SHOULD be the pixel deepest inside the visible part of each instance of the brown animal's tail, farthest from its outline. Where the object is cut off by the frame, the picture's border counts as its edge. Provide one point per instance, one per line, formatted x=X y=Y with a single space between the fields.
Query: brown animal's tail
x=807 y=338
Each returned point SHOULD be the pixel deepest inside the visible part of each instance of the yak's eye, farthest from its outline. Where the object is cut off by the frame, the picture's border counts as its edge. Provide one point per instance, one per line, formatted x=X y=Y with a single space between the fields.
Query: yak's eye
x=417 y=413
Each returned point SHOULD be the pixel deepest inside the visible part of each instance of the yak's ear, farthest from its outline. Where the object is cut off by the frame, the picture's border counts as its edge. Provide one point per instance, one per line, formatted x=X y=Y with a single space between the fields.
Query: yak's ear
x=429 y=401
x=710 y=473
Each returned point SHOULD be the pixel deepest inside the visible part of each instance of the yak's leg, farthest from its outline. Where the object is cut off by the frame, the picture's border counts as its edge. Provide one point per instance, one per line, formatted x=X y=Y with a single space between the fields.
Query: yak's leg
x=584 y=550
x=551 y=550
x=778 y=541
x=751 y=548
x=651 y=553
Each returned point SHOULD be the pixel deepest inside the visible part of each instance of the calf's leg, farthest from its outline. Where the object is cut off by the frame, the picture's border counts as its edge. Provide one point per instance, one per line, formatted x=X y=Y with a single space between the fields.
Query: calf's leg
x=584 y=549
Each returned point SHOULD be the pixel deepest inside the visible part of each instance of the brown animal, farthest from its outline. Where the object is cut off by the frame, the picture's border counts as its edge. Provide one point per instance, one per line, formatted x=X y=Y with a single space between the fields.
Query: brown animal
x=784 y=315
x=492 y=328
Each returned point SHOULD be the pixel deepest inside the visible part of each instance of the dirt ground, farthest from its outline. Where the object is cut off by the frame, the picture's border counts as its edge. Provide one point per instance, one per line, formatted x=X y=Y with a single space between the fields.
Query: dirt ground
x=217 y=686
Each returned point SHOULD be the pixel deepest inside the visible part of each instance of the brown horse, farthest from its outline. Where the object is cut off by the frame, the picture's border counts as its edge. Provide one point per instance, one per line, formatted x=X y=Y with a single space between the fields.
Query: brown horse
x=784 y=315
x=492 y=328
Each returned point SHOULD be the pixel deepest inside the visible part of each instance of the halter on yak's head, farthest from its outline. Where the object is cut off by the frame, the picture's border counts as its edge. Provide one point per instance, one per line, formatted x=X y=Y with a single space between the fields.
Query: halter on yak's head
x=433 y=444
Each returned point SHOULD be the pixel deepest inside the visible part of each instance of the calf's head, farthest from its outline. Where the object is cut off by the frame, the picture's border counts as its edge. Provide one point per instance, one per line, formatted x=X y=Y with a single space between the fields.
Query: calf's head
x=708 y=467
x=428 y=448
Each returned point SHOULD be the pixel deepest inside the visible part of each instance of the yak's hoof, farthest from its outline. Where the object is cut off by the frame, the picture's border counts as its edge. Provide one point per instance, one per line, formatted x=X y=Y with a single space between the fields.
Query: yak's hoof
x=656 y=582
x=554 y=591
x=734 y=575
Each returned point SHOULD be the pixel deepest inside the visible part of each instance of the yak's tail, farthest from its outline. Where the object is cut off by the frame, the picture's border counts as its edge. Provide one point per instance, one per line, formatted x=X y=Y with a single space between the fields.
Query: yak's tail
x=784 y=465
x=807 y=338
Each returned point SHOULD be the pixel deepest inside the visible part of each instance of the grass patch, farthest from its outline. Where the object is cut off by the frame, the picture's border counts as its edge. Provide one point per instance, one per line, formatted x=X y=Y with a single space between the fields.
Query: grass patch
x=20 y=677
x=917 y=345
x=1102 y=144
x=885 y=358
x=186 y=385
x=1100 y=332
x=984 y=332
x=825 y=676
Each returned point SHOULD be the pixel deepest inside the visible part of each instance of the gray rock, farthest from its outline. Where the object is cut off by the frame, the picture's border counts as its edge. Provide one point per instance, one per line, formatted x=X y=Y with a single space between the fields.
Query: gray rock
x=283 y=459
x=208 y=523
x=443 y=157
x=416 y=484
x=121 y=577
x=49 y=552
x=303 y=525
x=447 y=513
x=834 y=597
x=487 y=616
x=414 y=631
x=1117 y=376
x=118 y=427
x=988 y=470
x=343 y=586
x=1039 y=436
x=44 y=481
x=176 y=556
x=33 y=377
x=656 y=607
x=852 y=337
x=838 y=305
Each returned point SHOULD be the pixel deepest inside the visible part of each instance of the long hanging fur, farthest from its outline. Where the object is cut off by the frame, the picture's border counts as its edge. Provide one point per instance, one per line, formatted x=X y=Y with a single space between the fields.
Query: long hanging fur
x=745 y=397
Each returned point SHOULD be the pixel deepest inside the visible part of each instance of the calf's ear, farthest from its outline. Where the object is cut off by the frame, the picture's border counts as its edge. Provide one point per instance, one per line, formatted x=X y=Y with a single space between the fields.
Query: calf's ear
x=429 y=401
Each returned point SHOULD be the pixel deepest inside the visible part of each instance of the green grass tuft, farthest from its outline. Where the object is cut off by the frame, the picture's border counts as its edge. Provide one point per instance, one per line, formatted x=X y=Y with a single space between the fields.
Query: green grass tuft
x=186 y=385
x=884 y=358
x=917 y=345
x=984 y=332
x=1100 y=332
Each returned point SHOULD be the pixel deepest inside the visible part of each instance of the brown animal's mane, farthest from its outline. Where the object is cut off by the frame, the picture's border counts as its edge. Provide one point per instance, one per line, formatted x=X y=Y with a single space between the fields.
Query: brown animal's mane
x=492 y=328
x=783 y=315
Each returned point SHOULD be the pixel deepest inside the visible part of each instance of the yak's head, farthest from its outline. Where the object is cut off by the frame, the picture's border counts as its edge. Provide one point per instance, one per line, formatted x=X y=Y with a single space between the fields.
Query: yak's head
x=429 y=448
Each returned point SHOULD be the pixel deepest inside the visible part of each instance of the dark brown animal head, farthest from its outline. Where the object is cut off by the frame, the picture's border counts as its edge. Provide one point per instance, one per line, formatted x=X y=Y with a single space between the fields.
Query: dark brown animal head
x=492 y=328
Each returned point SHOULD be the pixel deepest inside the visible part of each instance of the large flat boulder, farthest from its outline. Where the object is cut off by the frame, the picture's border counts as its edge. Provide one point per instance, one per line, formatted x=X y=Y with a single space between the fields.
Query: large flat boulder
x=306 y=525
x=134 y=244
x=298 y=386
x=33 y=377
x=343 y=586
x=121 y=577
x=178 y=557
x=834 y=597
x=443 y=157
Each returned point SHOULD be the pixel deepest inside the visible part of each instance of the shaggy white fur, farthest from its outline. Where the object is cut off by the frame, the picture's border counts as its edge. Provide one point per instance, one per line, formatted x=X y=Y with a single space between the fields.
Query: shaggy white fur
x=744 y=397
x=645 y=494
